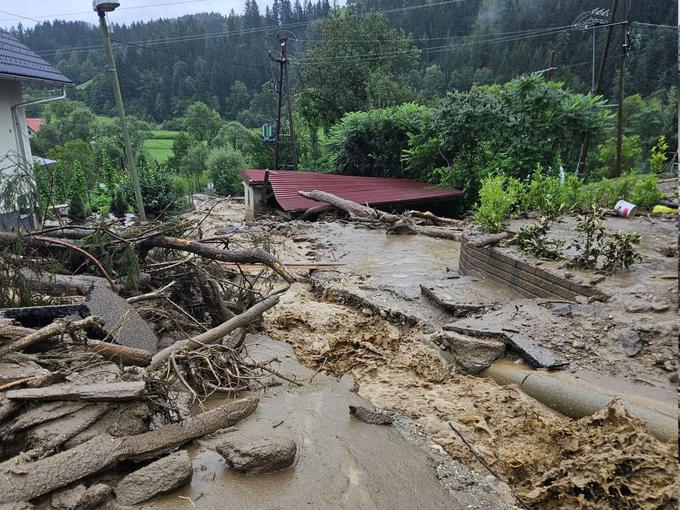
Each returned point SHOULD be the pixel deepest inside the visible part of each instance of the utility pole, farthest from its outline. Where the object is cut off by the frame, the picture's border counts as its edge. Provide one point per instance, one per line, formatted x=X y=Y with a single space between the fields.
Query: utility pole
x=597 y=89
x=291 y=125
x=102 y=7
x=283 y=42
x=551 y=65
x=622 y=72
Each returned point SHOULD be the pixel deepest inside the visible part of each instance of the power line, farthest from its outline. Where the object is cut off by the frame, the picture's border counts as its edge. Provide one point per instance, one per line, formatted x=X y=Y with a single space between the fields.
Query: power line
x=49 y=16
x=435 y=49
x=254 y=29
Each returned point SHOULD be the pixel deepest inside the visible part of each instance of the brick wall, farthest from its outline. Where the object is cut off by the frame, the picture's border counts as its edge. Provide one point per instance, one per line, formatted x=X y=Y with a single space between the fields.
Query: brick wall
x=524 y=278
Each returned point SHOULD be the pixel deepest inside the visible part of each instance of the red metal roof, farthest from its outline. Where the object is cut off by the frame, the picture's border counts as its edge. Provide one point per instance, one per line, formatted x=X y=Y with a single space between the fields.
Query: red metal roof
x=363 y=190
x=35 y=123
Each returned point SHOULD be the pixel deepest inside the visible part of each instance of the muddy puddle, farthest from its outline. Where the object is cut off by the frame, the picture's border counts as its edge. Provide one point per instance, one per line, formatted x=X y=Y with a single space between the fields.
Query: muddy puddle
x=604 y=461
x=341 y=462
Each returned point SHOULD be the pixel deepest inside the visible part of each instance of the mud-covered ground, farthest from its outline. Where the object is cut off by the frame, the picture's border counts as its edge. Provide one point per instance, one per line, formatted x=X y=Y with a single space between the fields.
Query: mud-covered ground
x=604 y=461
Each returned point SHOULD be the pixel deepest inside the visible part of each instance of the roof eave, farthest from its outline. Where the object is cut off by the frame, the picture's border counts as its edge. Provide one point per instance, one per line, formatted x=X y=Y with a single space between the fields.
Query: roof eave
x=16 y=77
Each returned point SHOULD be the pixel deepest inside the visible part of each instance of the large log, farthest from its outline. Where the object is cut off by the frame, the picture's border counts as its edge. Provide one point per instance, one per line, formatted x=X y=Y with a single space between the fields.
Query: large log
x=58 y=327
x=120 y=353
x=255 y=255
x=103 y=392
x=396 y=223
x=25 y=481
x=216 y=333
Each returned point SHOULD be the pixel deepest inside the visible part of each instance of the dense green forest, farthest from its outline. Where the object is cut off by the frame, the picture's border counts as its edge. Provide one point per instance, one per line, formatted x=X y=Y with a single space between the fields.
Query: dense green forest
x=453 y=92
x=166 y=64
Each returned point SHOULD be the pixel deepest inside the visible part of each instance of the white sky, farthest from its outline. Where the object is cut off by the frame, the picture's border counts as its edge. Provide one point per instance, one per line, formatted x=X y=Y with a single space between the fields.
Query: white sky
x=129 y=10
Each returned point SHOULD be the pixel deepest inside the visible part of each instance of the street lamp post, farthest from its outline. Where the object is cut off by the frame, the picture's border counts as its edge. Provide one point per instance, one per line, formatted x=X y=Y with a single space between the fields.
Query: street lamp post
x=102 y=7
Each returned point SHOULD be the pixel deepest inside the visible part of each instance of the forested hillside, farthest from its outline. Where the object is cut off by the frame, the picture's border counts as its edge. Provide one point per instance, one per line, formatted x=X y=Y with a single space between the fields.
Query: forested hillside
x=223 y=61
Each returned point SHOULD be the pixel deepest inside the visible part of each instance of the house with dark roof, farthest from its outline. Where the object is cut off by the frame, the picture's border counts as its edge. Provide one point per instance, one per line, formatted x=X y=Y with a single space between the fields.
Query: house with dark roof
x=19 y=65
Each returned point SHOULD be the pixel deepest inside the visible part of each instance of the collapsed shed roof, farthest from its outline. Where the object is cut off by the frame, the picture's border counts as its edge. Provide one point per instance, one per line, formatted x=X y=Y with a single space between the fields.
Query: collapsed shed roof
x=363 y=190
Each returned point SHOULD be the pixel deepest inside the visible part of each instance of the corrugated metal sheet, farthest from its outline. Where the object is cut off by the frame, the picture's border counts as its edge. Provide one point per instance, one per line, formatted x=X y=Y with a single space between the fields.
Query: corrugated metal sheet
x=17 y=60
x=363 y=190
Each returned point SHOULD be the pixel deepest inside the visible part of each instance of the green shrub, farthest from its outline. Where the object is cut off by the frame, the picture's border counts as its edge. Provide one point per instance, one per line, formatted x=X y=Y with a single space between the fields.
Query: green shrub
x=657 y=159
x=158 y=191
x=646 y=192
x=371 y=143
x=76 y=208
x=543 y=193
x=631 y=156
x=224 y=167
x=118 y=206
x=497 y=197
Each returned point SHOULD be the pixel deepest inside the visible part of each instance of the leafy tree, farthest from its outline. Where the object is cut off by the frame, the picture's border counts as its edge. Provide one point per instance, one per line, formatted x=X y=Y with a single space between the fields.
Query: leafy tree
x=224 y=167
x=335 y=70
x=193 y=164
x=509 y=128
x=371 y=143
x=434 y=82
x=201 y=122
x=383 y=91
x=76 y=154
x=65 y=121
x=631 y=156
x=238 y=99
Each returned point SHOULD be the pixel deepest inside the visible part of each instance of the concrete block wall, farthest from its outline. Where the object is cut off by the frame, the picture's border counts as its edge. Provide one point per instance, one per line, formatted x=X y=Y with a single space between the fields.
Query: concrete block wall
x=526 y=279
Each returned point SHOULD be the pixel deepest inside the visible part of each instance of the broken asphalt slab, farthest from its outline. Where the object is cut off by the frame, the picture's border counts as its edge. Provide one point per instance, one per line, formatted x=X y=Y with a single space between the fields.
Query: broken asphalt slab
x=523 y=325
x=461 y=295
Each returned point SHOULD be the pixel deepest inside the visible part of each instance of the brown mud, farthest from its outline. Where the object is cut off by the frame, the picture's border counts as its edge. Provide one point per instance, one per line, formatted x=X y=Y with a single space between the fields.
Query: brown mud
x=604 y=461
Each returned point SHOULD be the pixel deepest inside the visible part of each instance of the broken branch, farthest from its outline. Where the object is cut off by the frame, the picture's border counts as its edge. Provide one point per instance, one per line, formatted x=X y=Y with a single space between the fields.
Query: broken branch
x=58 y=327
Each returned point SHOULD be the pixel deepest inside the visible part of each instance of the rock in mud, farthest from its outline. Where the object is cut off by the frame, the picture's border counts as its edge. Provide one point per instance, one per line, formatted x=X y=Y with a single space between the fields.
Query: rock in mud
x=24 y=505
x=472 y=354
x=630 y=342
x=368 y=416
x=562 y=310
x=81 y=497
x=257 y=454
x=164 y=475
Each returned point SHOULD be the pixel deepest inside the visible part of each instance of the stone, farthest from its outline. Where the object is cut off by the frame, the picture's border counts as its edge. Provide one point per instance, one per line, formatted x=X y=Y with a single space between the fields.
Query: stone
x=368 y=416
x=81 y=497
x=630 y=342
x=254 y=455
x=472 y=354
x=562 y=309
x=578 y=345
x=161 y=476
x=367 y=312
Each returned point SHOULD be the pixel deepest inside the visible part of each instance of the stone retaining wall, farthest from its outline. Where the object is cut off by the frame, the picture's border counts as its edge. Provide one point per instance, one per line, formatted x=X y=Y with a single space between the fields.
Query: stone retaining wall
x=524 y=278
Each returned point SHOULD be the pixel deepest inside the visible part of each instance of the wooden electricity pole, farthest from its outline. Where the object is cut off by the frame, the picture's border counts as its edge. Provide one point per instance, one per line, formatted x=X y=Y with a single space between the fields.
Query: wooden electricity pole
x=277 y=137
x=622 y=73
x=551 y=65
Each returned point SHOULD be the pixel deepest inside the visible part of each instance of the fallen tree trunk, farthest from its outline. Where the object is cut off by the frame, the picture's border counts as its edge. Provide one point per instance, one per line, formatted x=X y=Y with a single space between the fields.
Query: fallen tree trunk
x=58 y=327
x=25 y=481
x=103 y=392
x=351 y=208
x=216 y=333
x=120 y=353
x=396 y=223
x=255 y=255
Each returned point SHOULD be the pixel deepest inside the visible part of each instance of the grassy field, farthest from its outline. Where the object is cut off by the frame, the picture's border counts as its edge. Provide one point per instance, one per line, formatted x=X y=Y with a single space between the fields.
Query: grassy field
x=159 y=145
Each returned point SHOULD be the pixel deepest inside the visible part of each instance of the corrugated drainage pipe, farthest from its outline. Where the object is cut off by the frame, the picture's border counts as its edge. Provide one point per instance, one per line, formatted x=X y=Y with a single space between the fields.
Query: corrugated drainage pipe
x=576 y=401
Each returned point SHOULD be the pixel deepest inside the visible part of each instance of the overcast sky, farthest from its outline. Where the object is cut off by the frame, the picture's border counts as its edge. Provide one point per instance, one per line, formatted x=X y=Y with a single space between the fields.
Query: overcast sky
x=11 y=11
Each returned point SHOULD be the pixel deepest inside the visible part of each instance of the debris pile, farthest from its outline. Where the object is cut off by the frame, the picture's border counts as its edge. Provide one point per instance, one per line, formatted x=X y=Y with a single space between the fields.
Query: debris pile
x=96 y=389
